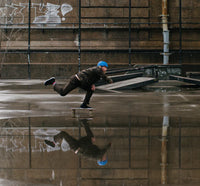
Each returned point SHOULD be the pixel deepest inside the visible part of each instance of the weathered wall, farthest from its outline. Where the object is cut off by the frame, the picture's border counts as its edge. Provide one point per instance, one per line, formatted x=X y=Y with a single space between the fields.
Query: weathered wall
x=104 y=34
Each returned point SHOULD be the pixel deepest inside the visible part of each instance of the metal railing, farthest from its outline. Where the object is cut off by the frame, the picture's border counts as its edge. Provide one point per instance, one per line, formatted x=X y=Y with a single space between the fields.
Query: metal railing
x=78 y=27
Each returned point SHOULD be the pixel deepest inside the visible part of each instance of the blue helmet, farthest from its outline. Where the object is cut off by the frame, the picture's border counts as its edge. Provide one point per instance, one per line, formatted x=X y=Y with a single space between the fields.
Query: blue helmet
x=102 y=163
x=102 y=64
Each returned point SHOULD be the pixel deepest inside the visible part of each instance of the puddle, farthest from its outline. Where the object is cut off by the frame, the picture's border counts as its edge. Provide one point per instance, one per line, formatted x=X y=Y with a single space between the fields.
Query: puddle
x=147 y=149
x=154 y=138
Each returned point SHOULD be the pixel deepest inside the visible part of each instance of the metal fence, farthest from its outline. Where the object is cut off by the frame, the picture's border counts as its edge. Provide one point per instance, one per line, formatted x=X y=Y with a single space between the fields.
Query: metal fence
x=12 y=14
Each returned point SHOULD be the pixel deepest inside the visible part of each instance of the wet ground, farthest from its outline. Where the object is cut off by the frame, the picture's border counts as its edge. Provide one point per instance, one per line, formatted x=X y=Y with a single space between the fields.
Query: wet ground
x=155 y=135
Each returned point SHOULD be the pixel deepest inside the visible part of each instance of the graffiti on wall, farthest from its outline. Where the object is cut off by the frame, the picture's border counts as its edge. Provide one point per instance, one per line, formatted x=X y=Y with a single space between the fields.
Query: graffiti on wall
x=40 y=13
x=11 y=142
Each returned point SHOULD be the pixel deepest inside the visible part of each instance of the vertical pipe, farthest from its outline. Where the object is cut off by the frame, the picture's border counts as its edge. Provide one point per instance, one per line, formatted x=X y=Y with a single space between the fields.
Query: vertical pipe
x=180 y=32
x=79 y=37
x=130 y=141
x=129 y=50
x=179 y=149
x=164 y=150
x=30 y=151
x=29 y=39
x=79 y=158
x=29 y=134
x=165 y=126
x=165 y=33
x=149 y=150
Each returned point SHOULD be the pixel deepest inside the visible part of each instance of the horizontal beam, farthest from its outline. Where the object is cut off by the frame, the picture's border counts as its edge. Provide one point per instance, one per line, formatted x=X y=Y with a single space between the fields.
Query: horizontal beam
x=128 y=84
x=121 y=77
x=96 y=45
x=185 y=79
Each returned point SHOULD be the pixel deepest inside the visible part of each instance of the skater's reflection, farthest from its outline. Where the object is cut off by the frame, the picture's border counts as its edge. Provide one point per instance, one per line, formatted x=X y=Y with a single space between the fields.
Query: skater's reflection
x=84 y=146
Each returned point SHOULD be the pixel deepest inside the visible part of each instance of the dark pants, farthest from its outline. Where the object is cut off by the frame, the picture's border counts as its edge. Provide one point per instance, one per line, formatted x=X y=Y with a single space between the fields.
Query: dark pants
x=74 y=143
x=74 y=83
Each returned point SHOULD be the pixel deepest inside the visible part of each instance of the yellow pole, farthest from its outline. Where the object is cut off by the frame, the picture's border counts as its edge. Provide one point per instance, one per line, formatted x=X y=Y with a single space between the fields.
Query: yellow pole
x=164 y=15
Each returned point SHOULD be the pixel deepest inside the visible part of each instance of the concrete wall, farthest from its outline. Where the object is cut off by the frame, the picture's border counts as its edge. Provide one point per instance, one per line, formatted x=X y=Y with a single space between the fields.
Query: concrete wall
x=104 y=35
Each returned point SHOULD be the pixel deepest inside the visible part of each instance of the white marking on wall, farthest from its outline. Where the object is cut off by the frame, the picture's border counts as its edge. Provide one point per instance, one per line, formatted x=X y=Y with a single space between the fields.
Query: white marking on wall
x=40 y=13
x=18 y=143
x=76 y=42
x=65 y=9
x=50 y=14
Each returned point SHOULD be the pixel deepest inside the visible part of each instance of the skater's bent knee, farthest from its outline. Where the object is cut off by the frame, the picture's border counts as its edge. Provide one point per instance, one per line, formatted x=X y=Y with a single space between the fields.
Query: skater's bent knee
x=62 y=132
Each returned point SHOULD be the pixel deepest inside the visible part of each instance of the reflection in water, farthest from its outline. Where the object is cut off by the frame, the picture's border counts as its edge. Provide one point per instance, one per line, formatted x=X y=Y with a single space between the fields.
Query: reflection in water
x=165 y=126
x=84 y=146
x=137 y=156
x=164 y=149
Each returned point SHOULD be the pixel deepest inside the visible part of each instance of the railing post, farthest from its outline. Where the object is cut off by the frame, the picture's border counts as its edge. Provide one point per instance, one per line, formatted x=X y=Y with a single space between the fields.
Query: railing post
x=180 y=32
x=29 y=39
x=79 y=37
x=129 y=50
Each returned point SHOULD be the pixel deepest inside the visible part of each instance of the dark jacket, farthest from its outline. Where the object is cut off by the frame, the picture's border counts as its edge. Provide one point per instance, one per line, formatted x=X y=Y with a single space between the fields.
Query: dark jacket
x=91 y=76
x=88 y=149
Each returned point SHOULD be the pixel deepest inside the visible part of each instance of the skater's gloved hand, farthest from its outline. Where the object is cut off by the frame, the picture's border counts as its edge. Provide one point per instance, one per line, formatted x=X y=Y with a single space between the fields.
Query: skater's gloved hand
x=110 y=81
x=93 y=139
x=93 y=87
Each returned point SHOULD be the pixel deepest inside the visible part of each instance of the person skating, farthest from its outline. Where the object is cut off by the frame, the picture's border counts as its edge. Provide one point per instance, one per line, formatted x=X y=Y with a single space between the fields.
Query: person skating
x=84 y=79
x=84 y=146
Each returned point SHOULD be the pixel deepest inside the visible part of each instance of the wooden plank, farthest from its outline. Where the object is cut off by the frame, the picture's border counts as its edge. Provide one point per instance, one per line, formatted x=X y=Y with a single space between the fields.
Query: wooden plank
x=115 y=173
x=114 y=12
x=134 y=68
x=101 y=45
x=185 y=79
x=195 y=75
x=82 y=112
x=129 y=84
x=120 y=77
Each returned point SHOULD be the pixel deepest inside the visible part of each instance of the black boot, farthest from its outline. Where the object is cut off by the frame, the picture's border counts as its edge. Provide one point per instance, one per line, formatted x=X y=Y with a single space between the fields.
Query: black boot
x=83 y=105
x=50 y=143
x=50 y=81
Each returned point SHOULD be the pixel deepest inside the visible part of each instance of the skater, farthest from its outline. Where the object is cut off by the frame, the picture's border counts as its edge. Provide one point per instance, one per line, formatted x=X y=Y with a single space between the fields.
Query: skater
x=84 y=146
x=84 y=79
